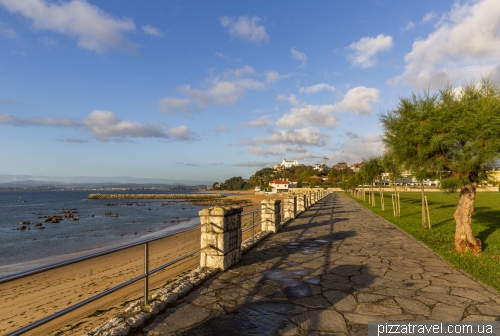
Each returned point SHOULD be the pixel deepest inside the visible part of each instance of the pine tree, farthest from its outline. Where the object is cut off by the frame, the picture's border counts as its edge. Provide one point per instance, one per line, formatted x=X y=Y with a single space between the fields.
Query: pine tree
x=457 y=131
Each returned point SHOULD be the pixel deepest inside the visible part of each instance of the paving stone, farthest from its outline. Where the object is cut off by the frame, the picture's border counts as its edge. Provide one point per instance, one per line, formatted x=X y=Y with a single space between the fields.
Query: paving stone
x=360 y=318
x=182 y=318
x=327 y=320
x=492 y=310
x=375 y=309
x=342 y=301
x=480 y=318
x=470 y=294
x=316 y=301
x=446 y=313
x=368 y=297
x=436 y=289
x=292 y=283
x=413 y=306
x=449 y=299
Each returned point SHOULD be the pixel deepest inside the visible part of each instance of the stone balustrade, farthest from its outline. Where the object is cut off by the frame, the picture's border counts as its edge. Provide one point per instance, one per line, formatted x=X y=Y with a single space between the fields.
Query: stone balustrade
x=271 y=215
x=290 y=208
x=301 y=203
x=220 y=237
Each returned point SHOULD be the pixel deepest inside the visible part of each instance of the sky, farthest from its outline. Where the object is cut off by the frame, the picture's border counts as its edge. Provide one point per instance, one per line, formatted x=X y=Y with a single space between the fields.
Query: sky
x=208 y=90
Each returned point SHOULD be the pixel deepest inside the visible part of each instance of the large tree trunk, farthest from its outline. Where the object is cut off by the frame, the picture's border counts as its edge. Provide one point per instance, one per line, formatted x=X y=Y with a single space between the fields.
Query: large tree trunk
x=464 y=240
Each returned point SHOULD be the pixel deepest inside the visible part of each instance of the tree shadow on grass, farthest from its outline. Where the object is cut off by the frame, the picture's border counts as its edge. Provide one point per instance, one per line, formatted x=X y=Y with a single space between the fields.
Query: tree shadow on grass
x=485 y=216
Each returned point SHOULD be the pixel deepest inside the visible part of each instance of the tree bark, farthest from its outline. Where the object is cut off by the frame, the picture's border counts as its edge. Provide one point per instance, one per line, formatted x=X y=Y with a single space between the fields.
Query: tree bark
x=464 y=240
x=424 y=222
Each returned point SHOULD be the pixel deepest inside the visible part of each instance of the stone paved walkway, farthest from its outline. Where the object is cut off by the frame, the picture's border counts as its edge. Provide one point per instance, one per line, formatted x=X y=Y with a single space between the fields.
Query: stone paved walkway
x=330 y=271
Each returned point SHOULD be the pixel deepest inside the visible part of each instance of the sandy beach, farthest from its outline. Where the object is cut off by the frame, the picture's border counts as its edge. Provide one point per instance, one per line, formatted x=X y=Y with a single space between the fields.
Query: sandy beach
x=33 y=297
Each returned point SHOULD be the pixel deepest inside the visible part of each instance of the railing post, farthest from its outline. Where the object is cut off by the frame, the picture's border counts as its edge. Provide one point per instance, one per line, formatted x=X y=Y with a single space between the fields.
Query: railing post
x=290 y=207
x=271 y=217
x=253 y=224
x=301 y=203
x=146 y=271
x=220 y=237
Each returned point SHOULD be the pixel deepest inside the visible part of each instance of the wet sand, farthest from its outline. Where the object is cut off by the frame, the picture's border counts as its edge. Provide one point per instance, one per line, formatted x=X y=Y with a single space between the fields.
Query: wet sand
x=33 y=297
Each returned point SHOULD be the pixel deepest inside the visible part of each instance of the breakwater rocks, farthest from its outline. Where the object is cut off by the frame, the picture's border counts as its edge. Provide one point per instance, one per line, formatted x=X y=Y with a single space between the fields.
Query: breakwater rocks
x=155 y=196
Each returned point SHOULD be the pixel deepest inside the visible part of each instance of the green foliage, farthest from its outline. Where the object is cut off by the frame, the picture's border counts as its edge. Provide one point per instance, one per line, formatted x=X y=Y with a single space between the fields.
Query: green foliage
x=235 y=183
x=485 y=266
x=391 y=166
x=451 y=185
x=446 y=131
x=371 y=169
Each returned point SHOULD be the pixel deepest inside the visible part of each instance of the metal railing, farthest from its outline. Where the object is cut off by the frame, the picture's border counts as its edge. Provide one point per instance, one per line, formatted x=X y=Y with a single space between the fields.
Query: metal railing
x=144 y=276
x=251 y=220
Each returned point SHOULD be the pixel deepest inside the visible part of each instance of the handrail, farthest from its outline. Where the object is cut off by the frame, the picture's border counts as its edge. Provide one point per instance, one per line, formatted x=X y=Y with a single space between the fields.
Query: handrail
x=85 y=257
x=144 y=276
x=96 y=297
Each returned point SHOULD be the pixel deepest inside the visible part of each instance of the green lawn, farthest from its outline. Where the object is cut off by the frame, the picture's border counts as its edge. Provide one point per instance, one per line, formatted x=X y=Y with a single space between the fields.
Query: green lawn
x=485 y=225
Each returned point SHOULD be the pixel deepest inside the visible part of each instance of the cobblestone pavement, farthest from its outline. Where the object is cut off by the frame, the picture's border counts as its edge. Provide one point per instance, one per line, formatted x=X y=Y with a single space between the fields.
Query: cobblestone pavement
x=330 y=271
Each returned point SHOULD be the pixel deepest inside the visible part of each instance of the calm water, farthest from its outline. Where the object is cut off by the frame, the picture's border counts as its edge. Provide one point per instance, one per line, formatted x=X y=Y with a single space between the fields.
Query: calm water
x=22 y=250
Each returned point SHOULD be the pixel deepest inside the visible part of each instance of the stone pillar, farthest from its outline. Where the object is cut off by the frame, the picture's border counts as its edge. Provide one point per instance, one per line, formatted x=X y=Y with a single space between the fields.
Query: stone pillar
x=301 y=203
x=271 y=215
x=220 y=237
x=313 y=198
x=290 y=207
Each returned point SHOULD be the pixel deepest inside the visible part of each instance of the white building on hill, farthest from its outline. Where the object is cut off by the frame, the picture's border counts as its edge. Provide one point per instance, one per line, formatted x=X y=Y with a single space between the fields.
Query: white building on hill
x=289 y=164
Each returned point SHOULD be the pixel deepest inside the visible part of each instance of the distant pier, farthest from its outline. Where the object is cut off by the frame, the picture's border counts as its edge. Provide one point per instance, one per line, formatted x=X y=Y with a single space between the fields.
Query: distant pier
x=153 y=196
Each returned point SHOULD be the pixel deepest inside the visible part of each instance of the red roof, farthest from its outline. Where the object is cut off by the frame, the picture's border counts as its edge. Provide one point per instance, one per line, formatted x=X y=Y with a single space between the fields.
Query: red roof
x=279 y=182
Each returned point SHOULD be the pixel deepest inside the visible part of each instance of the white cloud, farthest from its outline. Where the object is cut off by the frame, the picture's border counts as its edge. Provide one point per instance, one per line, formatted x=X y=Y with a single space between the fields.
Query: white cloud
x=258 y=150
x=354 y=149
x=104 y=125
x=299 y=56
x=365 y=50
x=221 y=55
x=7 y=31
x=274 y=76
x=429 y=16
x=39 y=121
x=465 y=44
x=94 y=29
x=308 y=136
x=225 y=89
x=246 y=28
x=168 y=105
x=351 y=134
x=6 y=119
x=182 y=133
x=316 y=88
x=277 y=150
x=150 y=30
x=358 y=100
x=262 y=121
x=254 y=164
x=409 y=26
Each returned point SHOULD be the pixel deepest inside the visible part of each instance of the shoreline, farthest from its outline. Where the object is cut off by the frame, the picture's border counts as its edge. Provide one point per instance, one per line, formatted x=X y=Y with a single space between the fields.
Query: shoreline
x=51 y=291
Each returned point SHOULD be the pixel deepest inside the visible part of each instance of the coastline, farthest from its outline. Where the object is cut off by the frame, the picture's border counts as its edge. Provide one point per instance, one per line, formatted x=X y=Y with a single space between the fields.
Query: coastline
x=48 y=292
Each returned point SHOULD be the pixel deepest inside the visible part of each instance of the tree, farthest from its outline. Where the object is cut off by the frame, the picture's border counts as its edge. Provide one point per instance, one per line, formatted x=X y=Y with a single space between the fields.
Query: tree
x=457 y=132
x=371 y=170
x=235 y=183
x=414 y=151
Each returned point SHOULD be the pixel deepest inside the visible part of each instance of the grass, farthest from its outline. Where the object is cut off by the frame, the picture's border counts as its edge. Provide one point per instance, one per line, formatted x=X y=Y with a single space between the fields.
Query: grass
x=485 y=226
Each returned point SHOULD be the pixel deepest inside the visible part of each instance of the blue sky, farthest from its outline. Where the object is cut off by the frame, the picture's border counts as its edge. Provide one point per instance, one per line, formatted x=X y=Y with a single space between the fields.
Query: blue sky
x=199 y=90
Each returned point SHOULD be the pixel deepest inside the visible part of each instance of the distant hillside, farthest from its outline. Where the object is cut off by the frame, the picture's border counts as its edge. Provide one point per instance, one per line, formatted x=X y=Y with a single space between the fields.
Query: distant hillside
x=304 y=175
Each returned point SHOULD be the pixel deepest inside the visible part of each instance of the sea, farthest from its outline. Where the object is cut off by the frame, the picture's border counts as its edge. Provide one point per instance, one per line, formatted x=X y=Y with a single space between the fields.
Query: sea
x=23 y=250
